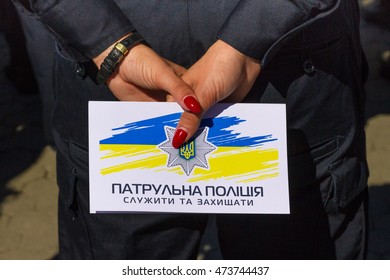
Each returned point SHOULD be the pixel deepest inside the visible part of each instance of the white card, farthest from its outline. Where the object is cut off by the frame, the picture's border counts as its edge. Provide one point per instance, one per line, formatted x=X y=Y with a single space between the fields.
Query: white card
x=236 y=164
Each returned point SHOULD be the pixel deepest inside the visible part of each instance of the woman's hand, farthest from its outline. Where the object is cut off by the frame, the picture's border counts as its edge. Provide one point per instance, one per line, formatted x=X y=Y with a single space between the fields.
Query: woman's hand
x=222 y=74
x=145 y=76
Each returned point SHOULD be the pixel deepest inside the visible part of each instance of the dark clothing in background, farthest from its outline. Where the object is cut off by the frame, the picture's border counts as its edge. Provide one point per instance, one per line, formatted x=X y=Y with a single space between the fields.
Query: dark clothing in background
x=19 y=68
x=311 y=60
x=40 y=49
x=30 y=67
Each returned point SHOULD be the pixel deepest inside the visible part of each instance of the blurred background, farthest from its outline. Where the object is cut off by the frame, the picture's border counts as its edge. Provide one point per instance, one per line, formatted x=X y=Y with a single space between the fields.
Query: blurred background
x=28 y=191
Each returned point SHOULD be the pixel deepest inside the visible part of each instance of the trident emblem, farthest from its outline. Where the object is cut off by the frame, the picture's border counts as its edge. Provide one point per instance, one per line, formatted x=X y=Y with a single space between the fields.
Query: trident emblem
x=187 y=151
x=186 y=157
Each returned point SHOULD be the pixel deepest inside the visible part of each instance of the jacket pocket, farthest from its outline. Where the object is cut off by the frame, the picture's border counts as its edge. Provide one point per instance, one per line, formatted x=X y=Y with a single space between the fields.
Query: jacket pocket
x=308 y=166
x=349 y=178
x=78 y=152
x=79 y=157
x=70 y=172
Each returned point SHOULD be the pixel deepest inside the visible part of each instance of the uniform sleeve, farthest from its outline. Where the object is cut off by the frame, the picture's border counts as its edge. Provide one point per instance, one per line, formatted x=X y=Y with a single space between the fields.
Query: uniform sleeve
x=256 y=28
x=89 y=26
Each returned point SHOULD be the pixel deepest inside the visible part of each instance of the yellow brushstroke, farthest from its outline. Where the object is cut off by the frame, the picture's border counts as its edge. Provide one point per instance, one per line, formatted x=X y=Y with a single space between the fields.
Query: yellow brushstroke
x=118 y=150
x=236 y=163
x=242 y=164
x=141 y=157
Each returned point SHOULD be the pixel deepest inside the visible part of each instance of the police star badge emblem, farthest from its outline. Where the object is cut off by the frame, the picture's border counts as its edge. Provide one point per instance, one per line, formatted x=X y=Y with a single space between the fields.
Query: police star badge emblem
x=191 y=154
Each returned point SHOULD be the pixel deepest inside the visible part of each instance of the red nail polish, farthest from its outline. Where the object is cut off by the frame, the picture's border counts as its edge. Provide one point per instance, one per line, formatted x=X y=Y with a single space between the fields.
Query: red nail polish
x=179 y=138
x=192 y=104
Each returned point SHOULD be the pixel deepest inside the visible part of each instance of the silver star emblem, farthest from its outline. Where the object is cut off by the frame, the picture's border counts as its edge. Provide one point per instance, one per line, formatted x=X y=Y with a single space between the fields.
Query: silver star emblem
x=189 y=154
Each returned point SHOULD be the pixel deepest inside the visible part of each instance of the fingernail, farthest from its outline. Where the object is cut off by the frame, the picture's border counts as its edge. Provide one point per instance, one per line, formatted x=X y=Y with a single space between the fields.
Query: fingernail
x=192 y=104
x=179 y=138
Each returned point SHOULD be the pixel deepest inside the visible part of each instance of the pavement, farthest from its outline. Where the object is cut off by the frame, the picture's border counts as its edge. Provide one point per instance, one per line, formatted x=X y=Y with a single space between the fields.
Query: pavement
x=28 y=192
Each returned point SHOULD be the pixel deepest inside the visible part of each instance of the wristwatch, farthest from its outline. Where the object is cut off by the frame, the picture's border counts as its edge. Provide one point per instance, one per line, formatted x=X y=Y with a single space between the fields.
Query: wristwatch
x=116 y=55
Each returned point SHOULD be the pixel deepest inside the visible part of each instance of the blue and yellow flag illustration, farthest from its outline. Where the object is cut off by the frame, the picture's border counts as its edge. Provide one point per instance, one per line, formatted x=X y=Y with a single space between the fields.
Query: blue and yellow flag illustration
x=230 y=154
x=235 y=163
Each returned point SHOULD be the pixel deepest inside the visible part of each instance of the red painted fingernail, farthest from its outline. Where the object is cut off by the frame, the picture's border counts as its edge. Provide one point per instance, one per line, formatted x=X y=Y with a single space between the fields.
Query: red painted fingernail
x=179 y=138
x=192 y=104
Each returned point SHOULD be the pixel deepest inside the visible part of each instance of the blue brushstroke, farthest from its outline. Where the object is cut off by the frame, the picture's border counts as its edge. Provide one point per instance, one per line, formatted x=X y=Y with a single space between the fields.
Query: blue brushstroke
x=145 y=132
x=151 y=132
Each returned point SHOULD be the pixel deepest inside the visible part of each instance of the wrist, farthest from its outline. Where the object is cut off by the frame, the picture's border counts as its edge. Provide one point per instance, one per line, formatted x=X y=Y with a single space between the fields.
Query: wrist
x=109 y=59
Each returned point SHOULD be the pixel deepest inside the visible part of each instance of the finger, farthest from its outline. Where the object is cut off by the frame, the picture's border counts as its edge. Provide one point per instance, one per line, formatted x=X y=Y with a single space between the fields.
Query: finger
x=182 y=92
x=189 y=123
x=186 y=128
x=190 y=101
x=178 y=69
x=169 y=98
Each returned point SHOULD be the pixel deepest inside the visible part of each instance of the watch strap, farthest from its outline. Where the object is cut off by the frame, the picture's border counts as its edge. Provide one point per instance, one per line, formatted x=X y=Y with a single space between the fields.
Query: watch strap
x=116 y=55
